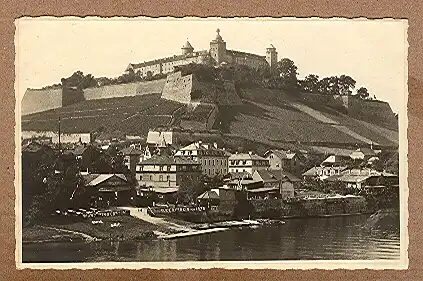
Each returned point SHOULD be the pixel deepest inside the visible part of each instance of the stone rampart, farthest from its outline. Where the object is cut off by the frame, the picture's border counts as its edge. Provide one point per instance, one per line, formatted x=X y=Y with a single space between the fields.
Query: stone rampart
x=124 y=90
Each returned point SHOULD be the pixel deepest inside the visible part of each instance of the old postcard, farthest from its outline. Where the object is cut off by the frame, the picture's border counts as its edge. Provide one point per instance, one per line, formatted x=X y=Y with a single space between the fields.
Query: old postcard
x=203 y=143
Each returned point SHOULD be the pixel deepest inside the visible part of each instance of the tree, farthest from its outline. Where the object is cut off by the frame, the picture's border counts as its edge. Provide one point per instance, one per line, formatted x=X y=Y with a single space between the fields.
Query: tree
x=187 y=190
x=346 y=85
x=287 y=71
x=310 y=83
x=363 y=93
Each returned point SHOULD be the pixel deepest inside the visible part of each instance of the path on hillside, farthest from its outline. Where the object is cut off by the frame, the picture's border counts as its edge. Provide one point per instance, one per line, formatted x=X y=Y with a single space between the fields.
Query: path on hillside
x=322 y=118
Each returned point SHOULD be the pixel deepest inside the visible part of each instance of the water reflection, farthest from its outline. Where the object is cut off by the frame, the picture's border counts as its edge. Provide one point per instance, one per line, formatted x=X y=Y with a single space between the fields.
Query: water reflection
x=322 y=238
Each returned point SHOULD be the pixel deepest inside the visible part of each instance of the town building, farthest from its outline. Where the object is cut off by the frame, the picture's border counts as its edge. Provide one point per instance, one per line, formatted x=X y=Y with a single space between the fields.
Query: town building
x=288 y=161
x=365 y=179
x=131 y=156
x=105 y=190
x=247 y=162
x=165 y=173
x=278 y=181
x=217 y=54
x=213 y=161
x=85 y=154
x=363 y=154
x=322 y=172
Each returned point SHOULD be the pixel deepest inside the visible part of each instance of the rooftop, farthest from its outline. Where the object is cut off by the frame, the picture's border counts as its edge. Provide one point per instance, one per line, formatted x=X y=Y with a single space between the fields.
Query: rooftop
x=246 y=156
x=168 y=160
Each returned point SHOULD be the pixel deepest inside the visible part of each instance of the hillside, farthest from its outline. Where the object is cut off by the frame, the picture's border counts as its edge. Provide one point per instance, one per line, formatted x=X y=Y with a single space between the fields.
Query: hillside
x=265 y=116
x=131 y=115
x=273 y=117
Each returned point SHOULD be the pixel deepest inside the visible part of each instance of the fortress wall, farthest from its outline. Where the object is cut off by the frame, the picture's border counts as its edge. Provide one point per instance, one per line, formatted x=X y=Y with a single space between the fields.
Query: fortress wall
x=375 y=112
x=221 y=94
x=124 y=90
x=35 y=101
x=178 y=88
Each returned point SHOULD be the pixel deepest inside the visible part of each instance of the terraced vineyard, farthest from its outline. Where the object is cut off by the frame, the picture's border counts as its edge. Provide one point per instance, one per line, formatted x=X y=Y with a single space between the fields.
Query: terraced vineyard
x=268 y=117
x=134 y=115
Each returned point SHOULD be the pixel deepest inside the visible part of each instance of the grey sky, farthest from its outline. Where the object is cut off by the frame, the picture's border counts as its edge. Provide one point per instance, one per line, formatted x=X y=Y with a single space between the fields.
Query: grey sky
x=372 y=52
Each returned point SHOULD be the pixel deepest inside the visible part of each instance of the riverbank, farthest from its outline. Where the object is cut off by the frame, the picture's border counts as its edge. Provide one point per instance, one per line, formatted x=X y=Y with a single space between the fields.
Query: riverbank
x=118 y=228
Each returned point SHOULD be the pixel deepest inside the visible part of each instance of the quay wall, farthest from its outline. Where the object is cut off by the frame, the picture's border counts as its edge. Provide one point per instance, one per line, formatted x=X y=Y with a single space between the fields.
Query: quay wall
x=276 y=208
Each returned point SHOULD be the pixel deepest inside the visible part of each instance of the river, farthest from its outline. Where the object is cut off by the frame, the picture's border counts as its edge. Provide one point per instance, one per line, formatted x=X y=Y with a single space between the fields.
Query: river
x=297 y=239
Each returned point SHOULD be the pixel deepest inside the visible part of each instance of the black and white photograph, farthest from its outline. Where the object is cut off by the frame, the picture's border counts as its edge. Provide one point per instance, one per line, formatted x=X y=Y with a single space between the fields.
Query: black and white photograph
x=211 y=143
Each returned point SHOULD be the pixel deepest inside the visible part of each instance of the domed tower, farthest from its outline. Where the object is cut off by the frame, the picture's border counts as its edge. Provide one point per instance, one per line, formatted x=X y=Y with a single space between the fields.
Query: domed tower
x=218 y=48
x=187 y=48
x=271 y=57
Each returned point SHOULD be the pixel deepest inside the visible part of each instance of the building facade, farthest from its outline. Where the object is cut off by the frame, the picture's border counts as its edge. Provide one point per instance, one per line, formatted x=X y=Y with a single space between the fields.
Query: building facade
x=288 y=161
x=217 y=54
x=132 y=156
x=213 y=161
x=166 y=171
x=247 y=162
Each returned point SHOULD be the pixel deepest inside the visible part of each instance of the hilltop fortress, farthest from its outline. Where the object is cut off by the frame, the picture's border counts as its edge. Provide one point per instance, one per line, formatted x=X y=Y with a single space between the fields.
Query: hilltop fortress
x=183 y=99
x=216 y=55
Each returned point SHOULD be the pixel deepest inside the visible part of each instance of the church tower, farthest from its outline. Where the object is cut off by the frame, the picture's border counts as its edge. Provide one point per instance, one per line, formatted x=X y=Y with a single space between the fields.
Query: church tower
x=218 y=48
x=272 y=57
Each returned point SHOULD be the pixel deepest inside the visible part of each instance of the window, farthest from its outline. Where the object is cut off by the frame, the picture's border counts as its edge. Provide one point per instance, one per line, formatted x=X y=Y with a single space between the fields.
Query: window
x=151 y=178
x=184 y=168
x=168 y=178
x=161 y=178
x=161 y=168
x=213 y=162
x=140 y=178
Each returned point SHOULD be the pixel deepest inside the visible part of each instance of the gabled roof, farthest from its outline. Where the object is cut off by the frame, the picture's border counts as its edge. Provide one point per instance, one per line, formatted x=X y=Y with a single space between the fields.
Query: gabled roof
x=240 y=175
x=131 y=151
x=282 y=154
x=208 y=195
x=96 y=179
x=33 y=147
x=314 y=171
x=244 y=54
x=333 y=159
x=167 y=59
x=367 y=151
x=266 y=176
x=168 y=160
x=246 y=156
x=79 y=150
x=276 y=175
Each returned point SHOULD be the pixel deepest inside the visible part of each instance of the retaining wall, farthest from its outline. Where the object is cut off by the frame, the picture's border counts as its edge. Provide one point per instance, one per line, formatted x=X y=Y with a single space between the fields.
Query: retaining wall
x=276 y=208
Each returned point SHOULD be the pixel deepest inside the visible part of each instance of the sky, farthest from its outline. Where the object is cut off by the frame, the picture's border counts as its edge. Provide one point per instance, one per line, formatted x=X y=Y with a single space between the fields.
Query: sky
x=373 y=52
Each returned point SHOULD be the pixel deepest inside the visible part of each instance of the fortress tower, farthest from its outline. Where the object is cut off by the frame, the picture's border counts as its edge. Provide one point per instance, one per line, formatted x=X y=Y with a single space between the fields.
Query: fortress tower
x=187 y=48
x=218 y=48
x=271 y=57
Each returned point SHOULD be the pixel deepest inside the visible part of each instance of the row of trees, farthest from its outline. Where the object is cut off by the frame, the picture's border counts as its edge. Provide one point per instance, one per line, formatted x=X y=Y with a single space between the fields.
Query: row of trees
x=51 y=180
x=334 y=85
